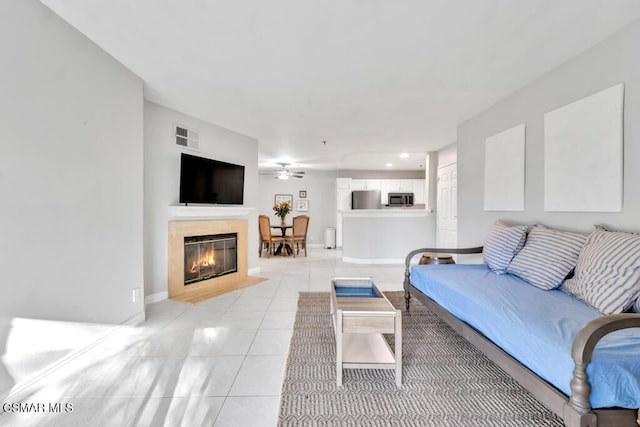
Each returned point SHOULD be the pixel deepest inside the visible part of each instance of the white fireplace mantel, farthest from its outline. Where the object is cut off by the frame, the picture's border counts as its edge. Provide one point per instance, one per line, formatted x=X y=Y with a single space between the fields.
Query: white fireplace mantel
x=209 y=211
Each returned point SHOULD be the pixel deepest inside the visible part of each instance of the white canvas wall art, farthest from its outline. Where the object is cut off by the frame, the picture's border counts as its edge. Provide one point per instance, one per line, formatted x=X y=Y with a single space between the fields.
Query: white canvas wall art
x=583 y=144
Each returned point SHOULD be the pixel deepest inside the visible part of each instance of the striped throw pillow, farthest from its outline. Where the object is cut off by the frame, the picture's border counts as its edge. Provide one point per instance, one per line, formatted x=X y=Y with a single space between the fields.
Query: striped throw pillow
x=608 y=271
x=547 y=257
x=502 y=244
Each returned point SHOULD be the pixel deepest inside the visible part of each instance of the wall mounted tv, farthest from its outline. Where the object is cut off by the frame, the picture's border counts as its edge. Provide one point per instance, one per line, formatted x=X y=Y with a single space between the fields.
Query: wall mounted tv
x=210 y=181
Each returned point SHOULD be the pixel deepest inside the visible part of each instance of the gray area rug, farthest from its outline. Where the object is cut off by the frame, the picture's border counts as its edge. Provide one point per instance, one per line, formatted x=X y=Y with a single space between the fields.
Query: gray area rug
x=446 y=381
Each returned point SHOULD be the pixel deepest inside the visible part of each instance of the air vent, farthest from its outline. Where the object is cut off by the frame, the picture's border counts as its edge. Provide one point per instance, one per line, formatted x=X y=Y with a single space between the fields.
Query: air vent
x=186 y=137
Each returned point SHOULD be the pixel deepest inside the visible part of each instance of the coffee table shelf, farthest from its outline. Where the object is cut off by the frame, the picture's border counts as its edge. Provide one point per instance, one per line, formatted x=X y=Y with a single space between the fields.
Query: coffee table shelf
x=360 y=315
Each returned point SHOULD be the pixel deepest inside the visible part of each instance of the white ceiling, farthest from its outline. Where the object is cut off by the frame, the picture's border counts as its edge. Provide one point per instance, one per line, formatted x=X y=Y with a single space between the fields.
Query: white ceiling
x=371 y=77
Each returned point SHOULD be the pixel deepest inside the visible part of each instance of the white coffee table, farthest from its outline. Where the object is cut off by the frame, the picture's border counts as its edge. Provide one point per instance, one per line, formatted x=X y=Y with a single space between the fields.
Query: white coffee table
x=360 y=315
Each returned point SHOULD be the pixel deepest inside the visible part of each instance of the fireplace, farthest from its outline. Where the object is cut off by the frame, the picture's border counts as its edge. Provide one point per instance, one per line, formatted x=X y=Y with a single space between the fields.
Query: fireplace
x=209 y=256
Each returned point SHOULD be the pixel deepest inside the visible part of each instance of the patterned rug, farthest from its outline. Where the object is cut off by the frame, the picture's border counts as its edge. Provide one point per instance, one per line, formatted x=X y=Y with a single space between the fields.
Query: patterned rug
x=446 y=381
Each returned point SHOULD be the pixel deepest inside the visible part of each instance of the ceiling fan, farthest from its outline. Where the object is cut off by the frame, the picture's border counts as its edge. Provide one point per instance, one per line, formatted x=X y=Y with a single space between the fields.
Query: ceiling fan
x=284 y=173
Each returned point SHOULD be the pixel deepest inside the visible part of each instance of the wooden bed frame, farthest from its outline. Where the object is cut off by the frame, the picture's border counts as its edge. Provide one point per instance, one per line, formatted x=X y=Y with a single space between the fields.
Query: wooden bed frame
x=575 y=410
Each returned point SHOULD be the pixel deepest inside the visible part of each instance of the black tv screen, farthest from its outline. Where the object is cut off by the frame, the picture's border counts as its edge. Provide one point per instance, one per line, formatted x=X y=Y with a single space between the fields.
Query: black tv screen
x=210 y=181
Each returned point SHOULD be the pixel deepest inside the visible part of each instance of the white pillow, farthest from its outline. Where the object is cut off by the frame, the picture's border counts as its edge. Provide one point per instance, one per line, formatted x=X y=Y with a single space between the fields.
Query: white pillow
x=502 y=244
x=608 y=271
x=547 y=257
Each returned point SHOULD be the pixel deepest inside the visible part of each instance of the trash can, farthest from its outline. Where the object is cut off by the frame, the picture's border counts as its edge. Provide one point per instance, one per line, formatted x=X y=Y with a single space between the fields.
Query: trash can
x=330 y=238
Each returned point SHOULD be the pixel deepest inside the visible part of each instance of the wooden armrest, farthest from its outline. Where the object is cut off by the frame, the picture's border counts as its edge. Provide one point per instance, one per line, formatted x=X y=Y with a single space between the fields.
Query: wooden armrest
x=582 y=350
x=407 y=263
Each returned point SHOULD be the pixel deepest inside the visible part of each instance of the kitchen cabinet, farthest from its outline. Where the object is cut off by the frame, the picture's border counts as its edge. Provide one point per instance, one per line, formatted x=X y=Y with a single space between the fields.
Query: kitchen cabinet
x=418 y=186
x=359 y=184
x=344 y=187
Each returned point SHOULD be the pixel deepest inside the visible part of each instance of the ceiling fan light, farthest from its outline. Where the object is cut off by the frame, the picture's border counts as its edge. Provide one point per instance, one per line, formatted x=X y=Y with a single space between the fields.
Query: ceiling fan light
x=284 y=173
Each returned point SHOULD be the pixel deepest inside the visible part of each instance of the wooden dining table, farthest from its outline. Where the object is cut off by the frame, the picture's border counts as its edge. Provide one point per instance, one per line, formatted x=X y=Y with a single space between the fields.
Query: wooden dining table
x=283 y=246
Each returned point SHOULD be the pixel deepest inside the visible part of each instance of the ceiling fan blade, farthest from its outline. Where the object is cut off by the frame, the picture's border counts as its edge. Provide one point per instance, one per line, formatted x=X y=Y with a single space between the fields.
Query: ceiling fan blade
x=284 y=173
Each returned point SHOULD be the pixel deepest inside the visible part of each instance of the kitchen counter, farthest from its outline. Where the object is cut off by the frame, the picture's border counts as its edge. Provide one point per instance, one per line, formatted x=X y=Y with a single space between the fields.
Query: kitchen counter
x=386 y=212
x=385 y=236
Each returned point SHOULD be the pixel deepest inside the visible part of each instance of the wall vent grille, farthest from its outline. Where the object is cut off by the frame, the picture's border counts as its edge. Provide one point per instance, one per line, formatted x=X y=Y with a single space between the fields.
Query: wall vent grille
x=187 y=138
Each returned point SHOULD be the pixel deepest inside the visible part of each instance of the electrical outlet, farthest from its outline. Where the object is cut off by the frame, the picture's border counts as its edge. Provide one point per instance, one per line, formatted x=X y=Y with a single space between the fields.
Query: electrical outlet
x=135 y=297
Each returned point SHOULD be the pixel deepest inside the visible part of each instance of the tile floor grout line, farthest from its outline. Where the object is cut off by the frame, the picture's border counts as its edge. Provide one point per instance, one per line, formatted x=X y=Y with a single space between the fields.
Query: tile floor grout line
x=285 y=279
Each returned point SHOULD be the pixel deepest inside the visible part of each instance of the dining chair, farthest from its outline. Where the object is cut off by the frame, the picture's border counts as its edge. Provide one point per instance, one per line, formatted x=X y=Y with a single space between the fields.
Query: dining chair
x=264 y=225
x=298 y=234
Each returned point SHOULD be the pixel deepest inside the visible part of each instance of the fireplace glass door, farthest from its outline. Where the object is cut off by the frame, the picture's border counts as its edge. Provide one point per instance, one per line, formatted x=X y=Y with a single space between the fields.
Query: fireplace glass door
x=209 y=256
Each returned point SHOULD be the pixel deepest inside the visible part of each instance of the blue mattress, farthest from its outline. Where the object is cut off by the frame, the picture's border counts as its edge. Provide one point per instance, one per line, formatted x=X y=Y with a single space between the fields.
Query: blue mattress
x=537 y=328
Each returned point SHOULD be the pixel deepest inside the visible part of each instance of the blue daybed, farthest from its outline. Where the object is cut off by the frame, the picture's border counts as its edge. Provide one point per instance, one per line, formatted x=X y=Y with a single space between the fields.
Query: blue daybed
x=583 y=365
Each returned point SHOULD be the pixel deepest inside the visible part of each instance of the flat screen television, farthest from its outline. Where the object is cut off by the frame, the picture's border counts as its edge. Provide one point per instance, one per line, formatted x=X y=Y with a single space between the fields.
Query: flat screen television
x=210 y=181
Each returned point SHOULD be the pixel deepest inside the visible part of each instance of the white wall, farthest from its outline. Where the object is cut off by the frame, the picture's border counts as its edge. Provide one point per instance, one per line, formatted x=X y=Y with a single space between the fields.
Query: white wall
x=321 y=194
x=162 y=182
x=431 y=186
x=610 y=62
x=448 y=155
x=70 y=173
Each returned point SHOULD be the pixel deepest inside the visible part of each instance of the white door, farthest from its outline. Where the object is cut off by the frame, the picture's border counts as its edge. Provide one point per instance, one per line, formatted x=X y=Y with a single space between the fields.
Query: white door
x=447 y=206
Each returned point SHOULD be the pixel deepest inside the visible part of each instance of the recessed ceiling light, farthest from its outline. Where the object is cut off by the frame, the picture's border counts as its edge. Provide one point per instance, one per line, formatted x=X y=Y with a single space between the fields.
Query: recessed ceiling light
x=404 y=155
x=389 y=165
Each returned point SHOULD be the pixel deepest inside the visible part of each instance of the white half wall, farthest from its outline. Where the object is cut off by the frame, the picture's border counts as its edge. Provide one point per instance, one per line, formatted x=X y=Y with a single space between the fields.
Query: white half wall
x=162 y=182
x=384 y=236
x=70 y=173
x=606 y=64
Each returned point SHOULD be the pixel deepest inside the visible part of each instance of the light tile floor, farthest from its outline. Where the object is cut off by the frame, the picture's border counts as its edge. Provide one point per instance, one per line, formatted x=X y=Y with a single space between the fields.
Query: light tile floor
x=217 y=363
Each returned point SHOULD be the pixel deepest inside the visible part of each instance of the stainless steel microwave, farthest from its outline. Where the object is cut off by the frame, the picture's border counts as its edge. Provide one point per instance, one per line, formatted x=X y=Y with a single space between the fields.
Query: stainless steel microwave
x=400 y=199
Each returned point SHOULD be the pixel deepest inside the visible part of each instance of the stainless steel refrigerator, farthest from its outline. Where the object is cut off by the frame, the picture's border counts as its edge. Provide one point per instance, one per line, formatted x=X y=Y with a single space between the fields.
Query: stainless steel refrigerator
x=366 y=199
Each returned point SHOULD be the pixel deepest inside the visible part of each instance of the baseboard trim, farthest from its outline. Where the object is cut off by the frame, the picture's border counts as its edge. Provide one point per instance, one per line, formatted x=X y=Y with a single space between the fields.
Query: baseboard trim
x=254 y=271
x=372 y=261
x=157 y=297
x=136 y=320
